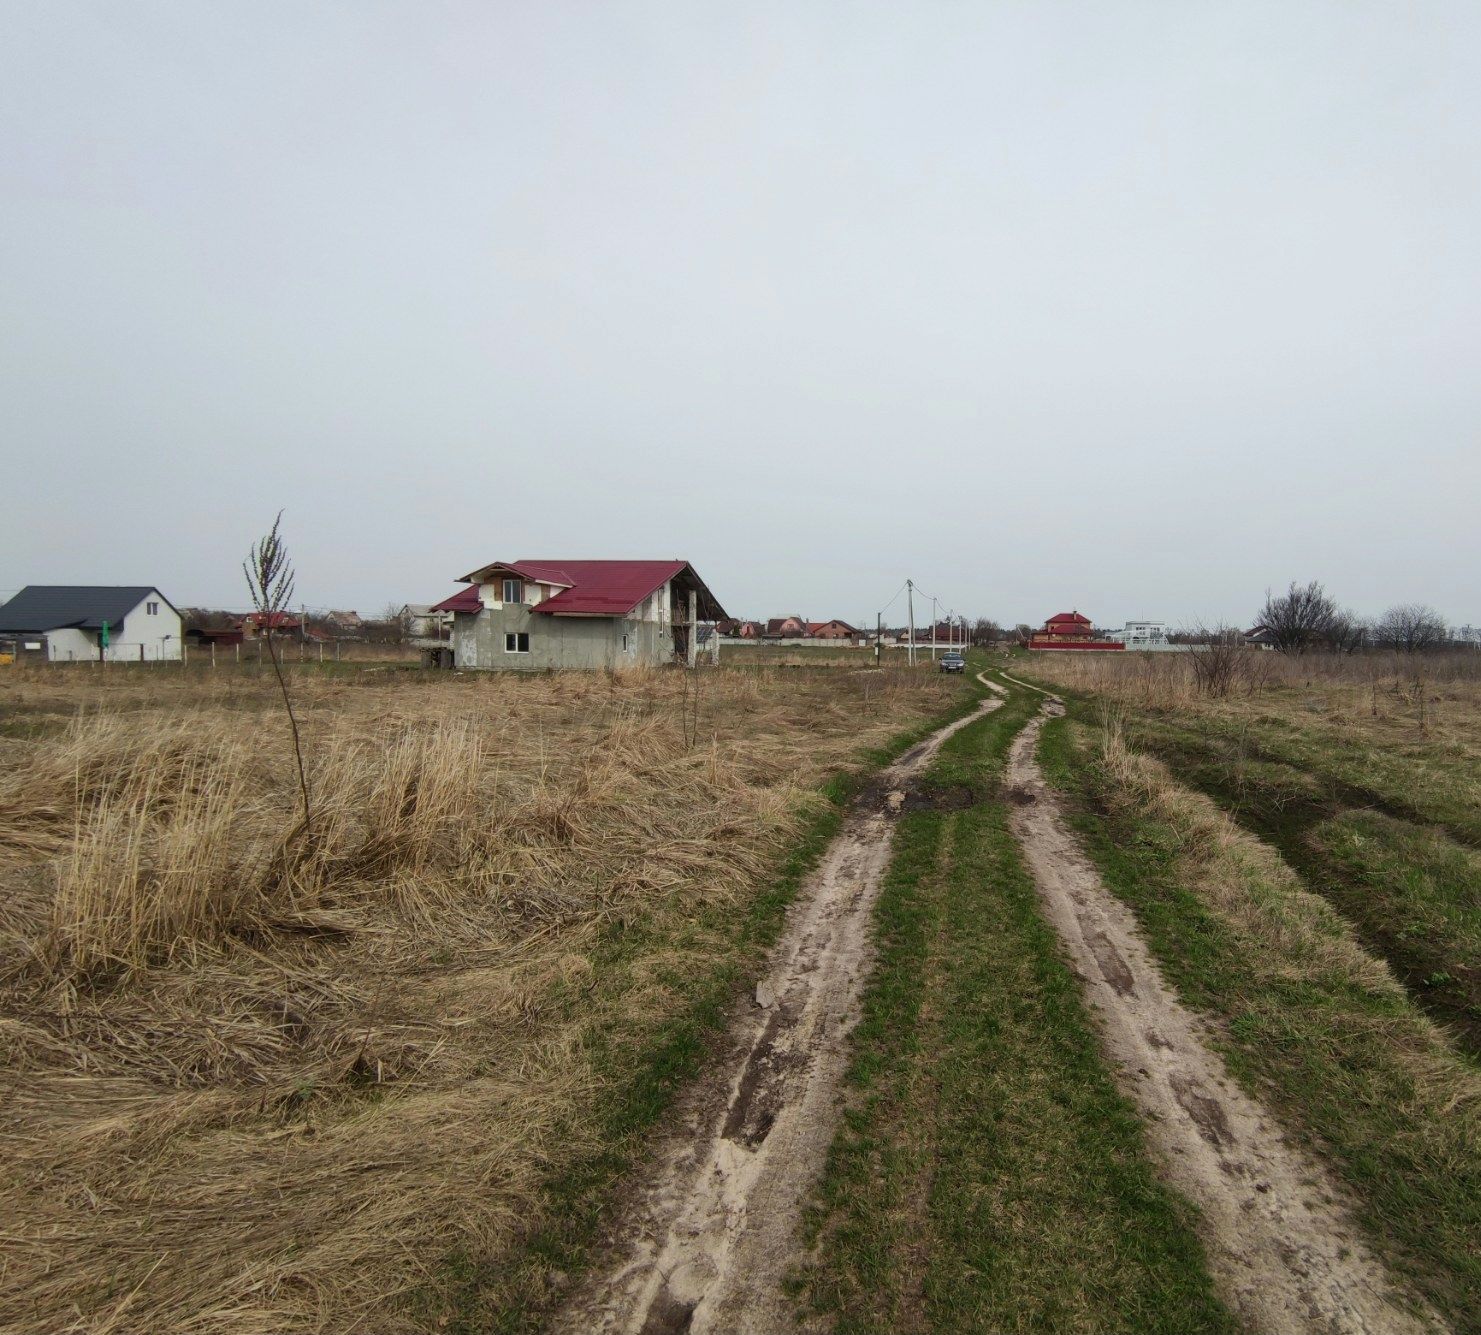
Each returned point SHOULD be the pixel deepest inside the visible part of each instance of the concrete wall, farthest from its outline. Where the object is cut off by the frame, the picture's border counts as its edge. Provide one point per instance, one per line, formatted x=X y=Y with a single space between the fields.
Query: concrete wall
x=556 y=642
x=68 y=646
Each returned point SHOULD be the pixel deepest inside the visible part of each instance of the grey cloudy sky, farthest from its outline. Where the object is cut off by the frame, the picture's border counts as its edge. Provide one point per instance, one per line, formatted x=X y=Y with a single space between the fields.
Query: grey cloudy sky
x=1133 y=307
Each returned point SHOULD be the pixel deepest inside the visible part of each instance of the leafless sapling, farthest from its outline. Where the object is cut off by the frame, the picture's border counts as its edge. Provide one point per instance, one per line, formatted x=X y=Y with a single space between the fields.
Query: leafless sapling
x=270 y=580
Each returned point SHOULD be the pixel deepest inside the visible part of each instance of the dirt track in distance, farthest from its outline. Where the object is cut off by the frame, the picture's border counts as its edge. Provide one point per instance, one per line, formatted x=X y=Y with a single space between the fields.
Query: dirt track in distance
x=708 y=1236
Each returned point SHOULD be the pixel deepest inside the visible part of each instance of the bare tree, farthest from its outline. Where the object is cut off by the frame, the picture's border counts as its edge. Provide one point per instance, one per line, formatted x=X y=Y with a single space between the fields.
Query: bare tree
x=1411 y=628
x=270 y=580
x=1348 y=633
x=985 y=632
x=1299 y=619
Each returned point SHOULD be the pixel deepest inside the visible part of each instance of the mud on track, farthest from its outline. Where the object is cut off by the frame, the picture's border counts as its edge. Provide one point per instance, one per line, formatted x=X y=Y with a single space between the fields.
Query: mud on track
x=710 y=1232
x=1281 y=1248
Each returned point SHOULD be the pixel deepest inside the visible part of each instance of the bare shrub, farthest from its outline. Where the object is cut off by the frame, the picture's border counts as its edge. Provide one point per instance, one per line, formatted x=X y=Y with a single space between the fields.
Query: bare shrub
x=1217 y=660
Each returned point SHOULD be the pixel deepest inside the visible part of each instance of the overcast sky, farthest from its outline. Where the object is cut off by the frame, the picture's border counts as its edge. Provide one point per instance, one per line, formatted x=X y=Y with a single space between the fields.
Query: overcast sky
x=1135 y=308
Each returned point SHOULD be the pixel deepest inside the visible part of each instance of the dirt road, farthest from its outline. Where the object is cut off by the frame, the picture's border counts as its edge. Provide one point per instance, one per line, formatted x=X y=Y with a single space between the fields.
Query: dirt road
x=708 y=1237
x=1281 y=1247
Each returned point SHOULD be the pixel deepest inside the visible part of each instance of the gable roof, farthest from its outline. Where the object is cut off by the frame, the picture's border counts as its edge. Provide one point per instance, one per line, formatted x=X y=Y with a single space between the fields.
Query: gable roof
x=1068 y=616
x=42 y=607
x=602 y=588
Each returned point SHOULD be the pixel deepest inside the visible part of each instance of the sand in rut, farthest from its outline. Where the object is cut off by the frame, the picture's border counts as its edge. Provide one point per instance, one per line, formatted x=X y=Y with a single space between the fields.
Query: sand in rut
x=1281 y=1247
x=706 y=1241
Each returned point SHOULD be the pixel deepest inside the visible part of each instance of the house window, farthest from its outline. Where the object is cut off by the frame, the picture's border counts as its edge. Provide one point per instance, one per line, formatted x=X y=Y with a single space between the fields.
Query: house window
x=151 y=609
x=516 y=642
x=514 y=590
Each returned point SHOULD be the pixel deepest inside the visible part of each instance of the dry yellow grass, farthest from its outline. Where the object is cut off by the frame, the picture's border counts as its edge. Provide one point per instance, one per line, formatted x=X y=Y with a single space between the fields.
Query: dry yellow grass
x=260 y=1082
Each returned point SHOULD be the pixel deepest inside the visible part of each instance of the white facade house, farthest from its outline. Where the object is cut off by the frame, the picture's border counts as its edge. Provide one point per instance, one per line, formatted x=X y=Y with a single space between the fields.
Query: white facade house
x=65 y=623
x=1143 y=635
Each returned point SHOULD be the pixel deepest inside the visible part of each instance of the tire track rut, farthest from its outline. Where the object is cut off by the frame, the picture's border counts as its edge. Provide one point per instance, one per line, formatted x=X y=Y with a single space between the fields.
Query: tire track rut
x=706 y=1239
x=1281 y=1244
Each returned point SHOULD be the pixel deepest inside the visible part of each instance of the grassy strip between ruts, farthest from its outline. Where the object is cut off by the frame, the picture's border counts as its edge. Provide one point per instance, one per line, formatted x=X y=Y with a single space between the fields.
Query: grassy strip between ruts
x=988 y=1176
x=641 y=1082
x=1407 y=885
x=1310 y=1021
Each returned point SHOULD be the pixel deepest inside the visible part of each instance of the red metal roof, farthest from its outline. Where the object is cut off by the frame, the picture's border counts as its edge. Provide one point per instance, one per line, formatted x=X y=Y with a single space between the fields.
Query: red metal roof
x=600 y=588
x=1068 y=616
x=464 y=600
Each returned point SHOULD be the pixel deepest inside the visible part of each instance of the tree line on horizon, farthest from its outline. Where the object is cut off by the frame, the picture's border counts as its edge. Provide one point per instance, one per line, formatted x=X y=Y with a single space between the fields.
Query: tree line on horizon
x=1305 y=618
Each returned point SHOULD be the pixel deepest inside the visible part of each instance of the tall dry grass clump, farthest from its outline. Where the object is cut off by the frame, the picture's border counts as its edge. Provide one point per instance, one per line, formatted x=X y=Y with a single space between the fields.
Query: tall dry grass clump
x=266 y=1082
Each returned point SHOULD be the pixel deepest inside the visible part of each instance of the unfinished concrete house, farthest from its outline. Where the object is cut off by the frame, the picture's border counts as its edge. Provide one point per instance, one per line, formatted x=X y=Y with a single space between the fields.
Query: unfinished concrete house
x=525 y=616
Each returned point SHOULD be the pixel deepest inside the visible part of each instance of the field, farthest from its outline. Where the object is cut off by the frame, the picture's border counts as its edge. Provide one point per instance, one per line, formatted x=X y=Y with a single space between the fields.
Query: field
x=420 y=1063
x=374 y=1073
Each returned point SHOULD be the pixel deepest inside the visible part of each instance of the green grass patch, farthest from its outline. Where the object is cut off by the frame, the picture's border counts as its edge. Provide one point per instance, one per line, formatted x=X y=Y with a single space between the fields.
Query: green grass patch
x=988 y=1176
x=1308 y=1024
x=1410 y=890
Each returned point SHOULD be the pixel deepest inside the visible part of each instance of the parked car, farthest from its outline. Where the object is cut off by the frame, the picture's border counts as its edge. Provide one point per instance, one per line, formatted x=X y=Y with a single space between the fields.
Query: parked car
x=952 y=661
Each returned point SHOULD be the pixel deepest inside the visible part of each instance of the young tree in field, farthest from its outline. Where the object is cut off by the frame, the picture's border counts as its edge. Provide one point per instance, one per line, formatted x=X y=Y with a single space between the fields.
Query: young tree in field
x=1411 y=628
x=1299 y=619
x=270 y=579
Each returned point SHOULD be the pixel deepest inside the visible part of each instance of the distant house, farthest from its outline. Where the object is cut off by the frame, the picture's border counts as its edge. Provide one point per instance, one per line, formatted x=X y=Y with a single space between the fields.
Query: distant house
x=254 y=624
x=69 y=623
x=831 y=630
x=1070 y=631
x=1260 y=637
x=528 y=615
x=343 y=622
x=422 y=621
x=1142 y=634
x=786 y=628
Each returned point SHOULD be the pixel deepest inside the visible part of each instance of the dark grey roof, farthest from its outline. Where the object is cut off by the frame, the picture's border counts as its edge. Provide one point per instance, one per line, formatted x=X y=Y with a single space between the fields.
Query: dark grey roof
x=40 y=607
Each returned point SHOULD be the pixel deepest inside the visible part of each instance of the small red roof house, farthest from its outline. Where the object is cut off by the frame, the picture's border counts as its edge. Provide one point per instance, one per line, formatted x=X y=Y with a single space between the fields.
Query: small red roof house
x=275 y=623
x=1070 y=630
x=787 y=628
x=831 y=630
x=531 y=615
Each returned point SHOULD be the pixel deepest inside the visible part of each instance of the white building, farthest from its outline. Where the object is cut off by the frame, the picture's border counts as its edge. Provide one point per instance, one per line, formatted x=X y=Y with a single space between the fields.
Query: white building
x=68 y=623
x=1143 y=634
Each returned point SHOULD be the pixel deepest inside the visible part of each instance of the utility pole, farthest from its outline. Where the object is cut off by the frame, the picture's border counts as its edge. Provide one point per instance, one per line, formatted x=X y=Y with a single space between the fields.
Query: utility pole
x=933 y=629
x=878 y=633
x=910 y=606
